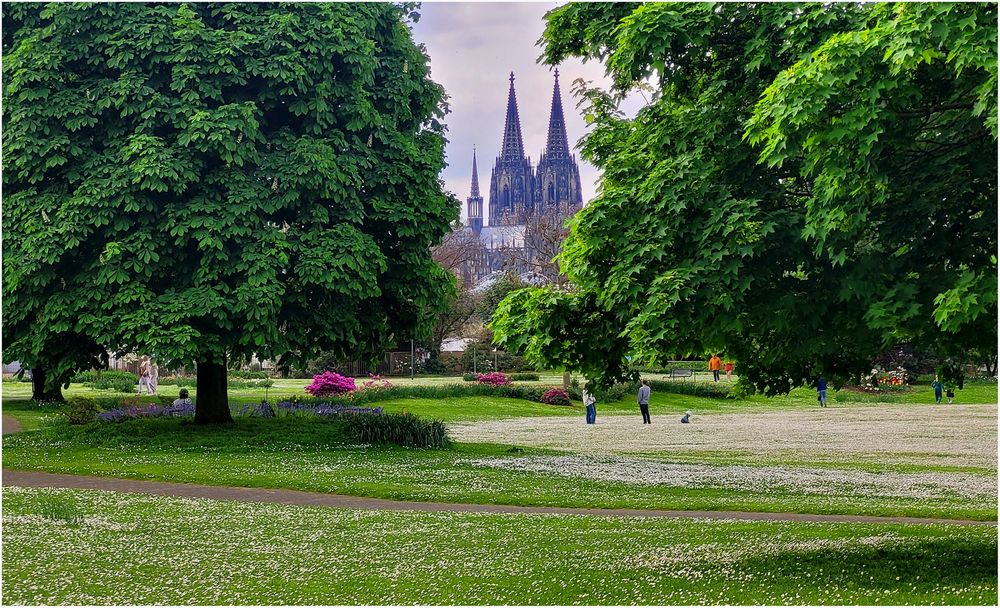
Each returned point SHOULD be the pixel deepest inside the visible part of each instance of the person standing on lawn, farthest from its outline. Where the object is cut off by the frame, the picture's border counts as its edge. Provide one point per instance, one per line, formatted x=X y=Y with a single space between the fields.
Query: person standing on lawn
x=715 y=364
x=591 y=403
x=729 y=371
x=938 y=388
x=643 y=398
x=950 y=394
x=821 y=391
x=144 y=374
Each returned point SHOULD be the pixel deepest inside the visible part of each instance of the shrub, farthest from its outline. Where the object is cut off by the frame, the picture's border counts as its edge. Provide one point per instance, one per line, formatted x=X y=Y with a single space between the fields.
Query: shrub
x=80 y=410
x=330 y=383
x=556 y=396
x=376 y=382
x=111 y=379
x=494 y=379
x=191 y=382
x=713 y=390
x=848 y=396
x=525 y=376
x=470 y=377
x=398 y=429
x=242 y=375
x=616 y=391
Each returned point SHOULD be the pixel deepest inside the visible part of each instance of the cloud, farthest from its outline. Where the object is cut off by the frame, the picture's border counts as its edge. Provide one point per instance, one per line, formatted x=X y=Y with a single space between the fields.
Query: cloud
x=473 y=47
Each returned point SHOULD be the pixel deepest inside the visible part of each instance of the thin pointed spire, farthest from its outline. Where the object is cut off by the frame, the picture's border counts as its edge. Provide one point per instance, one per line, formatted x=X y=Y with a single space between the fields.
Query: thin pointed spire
x=557 y=145
x=475 y=176
x=513 y=146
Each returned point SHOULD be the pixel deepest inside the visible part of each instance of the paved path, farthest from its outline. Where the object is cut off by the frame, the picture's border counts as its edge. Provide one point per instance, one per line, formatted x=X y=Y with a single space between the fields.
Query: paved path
x=317 y=499
x=11 y=425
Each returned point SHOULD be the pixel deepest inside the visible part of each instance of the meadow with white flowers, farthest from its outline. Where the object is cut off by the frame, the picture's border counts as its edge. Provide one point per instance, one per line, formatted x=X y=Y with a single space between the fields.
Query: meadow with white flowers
x=781 y=455
x=155 y=550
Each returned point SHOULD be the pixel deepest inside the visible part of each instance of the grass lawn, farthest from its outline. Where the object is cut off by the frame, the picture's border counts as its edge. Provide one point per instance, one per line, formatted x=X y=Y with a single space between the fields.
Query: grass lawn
x=146 y=550
x=307 y=453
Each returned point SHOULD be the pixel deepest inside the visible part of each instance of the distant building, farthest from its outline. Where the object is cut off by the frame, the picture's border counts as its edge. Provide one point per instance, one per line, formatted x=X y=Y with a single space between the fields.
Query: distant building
x=520 y=192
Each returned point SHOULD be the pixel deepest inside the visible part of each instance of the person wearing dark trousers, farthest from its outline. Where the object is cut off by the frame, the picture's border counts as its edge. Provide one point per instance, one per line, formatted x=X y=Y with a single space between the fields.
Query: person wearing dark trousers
x=643 y=398
x=714 y=365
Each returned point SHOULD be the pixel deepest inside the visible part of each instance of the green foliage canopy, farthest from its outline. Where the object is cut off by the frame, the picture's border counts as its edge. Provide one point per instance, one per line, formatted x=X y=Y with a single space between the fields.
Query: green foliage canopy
x=204 y=181
x=809 y=184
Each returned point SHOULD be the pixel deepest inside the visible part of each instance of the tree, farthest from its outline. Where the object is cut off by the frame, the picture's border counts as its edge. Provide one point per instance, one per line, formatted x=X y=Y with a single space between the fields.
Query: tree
x=210 y=181
x=544 y=234
x=809 y=185
x=462 y=309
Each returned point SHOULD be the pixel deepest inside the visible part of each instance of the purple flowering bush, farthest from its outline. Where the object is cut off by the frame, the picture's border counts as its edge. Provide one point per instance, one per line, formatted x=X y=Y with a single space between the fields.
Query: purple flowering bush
x=494 y=379
x=556 y=396
x=324 y=409
x=330 y=383
x=151 y=410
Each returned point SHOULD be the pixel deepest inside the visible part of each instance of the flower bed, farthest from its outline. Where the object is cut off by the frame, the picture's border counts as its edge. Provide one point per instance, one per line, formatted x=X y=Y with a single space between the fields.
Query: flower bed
x=132 y=412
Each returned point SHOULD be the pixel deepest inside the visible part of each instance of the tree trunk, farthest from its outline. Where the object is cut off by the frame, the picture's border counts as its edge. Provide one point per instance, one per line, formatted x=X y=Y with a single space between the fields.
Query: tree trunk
x=38 y=391
x=212 y=406
x=566 y=380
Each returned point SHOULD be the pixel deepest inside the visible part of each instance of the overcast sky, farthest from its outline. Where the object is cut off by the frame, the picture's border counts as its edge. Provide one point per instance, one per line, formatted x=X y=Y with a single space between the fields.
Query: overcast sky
x=473 y=48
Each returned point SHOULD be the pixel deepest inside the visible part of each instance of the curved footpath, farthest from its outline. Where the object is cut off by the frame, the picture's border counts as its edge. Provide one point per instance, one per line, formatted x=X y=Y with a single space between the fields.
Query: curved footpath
x=11 y=425
x=34 y=479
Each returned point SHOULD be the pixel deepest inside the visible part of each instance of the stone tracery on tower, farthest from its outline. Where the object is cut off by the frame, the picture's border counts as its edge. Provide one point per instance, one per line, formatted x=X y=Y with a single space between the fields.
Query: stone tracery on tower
x=519 y=193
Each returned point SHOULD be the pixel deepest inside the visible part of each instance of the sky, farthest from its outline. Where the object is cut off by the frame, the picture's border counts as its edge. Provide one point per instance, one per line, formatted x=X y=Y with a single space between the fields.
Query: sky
x=473 y=48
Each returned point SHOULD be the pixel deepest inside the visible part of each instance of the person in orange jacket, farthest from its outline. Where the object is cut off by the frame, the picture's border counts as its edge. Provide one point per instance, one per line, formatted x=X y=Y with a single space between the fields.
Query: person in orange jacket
x=715 y=364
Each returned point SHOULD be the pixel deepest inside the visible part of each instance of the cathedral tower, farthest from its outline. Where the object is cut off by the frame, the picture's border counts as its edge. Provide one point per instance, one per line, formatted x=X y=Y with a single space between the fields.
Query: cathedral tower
x=512 y=184
x=474 y=204
x=558 y=177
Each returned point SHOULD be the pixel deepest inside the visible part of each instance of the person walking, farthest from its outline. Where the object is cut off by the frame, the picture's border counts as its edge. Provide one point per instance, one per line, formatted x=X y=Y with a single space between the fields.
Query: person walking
x=591 y=403
x=144 y=374
x=938 y=389
x=950 y=394
x=154 y=375
x=715 y=365
x=821 y=391
x=729 y=371
x=643 y=398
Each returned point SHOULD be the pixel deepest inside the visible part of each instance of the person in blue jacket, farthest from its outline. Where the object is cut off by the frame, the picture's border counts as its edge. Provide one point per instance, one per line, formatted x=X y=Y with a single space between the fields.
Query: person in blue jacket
x=821 y=391
x=938 y=389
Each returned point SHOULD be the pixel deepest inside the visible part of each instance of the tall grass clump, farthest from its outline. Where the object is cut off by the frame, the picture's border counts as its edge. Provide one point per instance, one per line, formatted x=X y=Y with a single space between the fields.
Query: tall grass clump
x=397 y=429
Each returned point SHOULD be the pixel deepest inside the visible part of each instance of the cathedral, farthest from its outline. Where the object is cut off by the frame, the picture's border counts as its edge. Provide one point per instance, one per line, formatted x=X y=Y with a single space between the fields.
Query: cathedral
x=520 y=194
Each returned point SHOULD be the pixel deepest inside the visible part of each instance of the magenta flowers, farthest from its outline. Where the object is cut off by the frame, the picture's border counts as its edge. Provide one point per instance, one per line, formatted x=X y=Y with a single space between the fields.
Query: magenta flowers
x=493 y=379
x=330 y=383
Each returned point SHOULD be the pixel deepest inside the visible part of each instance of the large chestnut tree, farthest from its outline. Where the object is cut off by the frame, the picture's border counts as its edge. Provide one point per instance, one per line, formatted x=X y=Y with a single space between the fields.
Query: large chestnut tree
x=209 y=181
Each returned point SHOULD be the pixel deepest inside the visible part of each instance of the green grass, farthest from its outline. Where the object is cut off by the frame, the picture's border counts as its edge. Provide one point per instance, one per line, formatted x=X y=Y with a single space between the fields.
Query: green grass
x=146 y=550
x=309 y=454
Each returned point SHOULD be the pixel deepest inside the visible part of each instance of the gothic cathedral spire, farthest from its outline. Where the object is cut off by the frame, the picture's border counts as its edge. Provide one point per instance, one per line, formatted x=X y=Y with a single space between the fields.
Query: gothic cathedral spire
x=512 y=183
x=557 y=145
x=557 y=180
x=475 y=202
x=513 y=146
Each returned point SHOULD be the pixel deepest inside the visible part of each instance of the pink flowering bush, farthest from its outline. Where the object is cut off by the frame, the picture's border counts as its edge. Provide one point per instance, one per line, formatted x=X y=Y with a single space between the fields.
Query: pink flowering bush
x=375 y=382
x=330 y=383
x=493 y=379
x=556 y=396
